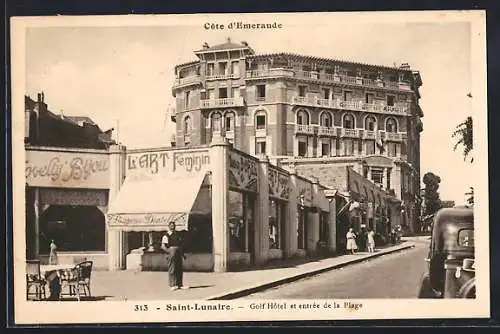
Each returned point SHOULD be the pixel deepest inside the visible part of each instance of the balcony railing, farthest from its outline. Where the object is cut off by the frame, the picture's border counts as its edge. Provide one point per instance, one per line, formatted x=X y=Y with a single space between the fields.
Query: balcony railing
x=304 y=129
x=222 y=103
x=368 y=134
x=271 y=72
x=328 y=131
x=350 y=133
x=222 y=76
x=394 y=136
x=350 y=105
x=187 y=80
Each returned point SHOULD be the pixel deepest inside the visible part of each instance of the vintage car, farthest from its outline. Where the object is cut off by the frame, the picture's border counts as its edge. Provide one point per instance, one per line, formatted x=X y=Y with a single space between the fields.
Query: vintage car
x=451 y=266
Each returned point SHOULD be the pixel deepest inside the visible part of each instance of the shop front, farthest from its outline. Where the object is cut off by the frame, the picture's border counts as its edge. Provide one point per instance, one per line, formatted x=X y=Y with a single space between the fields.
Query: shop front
x=66 y=202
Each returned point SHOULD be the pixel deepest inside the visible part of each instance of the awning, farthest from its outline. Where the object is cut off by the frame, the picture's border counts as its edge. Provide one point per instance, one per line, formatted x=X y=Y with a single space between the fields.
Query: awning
x=149 y=205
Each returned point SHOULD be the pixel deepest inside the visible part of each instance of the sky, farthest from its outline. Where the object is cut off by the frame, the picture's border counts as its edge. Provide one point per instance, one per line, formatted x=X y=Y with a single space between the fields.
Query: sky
x=121 y=76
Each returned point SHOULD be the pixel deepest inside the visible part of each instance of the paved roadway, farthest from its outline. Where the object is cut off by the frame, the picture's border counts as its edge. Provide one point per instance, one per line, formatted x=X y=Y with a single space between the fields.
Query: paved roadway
x=395 y=275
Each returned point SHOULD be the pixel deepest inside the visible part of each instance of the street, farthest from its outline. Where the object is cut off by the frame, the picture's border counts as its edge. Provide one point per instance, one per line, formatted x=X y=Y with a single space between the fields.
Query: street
x=390 y=276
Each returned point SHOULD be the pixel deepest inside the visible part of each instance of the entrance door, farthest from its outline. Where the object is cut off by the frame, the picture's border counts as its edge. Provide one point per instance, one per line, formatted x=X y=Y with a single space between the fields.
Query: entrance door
x=250 y=223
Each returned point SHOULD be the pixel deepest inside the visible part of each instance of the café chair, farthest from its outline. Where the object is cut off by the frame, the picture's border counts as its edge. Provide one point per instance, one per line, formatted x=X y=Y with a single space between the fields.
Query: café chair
x=34 y=280
x=77 y=280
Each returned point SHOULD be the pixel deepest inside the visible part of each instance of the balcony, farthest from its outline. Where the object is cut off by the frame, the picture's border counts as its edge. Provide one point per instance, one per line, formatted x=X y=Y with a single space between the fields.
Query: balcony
x=222 y=76
x=271 y=72
x=350 y=105
x=223 y=103
x=328 y=131
x=305 y=129
x=193 y=79
x=394 y=136
x=349 y=133
x=368 y=134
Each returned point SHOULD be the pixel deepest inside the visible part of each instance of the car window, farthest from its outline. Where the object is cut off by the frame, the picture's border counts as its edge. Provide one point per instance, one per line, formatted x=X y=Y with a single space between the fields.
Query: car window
x=466 y=238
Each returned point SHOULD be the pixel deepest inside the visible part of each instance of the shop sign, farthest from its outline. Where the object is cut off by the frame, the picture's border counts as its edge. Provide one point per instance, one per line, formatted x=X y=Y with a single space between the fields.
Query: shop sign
x=279 y=183
x=73 y=197
x=146 y=222
x=243 y=173
x=67 y=169
x=157 y=163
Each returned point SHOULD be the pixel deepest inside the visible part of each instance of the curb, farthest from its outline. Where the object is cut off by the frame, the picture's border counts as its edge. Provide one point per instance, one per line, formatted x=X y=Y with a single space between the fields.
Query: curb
x=241 y=292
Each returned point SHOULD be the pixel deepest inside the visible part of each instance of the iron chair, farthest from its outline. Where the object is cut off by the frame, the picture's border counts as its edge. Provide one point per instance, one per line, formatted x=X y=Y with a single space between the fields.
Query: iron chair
x=34 y=279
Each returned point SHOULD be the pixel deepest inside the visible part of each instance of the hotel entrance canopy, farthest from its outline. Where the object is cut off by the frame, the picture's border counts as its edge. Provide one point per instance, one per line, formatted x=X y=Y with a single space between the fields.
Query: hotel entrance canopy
x=149 y=205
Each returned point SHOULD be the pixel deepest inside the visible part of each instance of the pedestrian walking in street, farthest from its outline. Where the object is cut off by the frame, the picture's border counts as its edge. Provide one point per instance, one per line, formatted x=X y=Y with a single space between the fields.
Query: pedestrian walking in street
x=172 y=244
x=53 y=253
x=351 y=241
x=371 y=241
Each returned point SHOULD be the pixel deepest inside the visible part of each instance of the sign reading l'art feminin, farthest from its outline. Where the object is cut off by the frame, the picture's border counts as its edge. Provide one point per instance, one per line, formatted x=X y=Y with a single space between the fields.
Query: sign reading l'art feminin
x=155 y=163
x=67 y=169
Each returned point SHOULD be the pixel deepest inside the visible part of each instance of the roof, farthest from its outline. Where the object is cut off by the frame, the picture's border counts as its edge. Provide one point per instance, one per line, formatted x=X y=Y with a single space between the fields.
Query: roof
x=225 y=46
x=329 y=60
x=79 y=119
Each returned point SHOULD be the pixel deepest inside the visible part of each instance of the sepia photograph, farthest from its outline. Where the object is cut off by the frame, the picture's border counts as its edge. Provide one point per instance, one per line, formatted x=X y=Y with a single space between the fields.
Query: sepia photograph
x=230 y=167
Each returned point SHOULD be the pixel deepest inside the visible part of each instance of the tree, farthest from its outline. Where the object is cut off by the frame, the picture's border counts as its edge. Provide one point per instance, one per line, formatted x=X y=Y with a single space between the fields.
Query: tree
x=470 y=199
x=432 y=201
x=463 y=134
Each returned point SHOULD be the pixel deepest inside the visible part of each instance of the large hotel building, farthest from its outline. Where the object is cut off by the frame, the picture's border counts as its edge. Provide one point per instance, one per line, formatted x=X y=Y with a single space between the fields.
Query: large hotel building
x=314 y=114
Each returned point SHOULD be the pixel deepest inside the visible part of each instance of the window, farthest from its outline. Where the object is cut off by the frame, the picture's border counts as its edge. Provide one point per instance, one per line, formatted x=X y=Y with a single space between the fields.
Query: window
x=186 y=99
x=187 y=125
x=348 y=121
x=229 y=121
x=370 y=147
x=370 y=123
x=369 y=98
x=302 y=117
x=216 y=122
x=211 y=69
x=348 y=147
x=235 y=68
x=388 y=178
x=237 y=236
x=325 y=150
x=73 y=229
x=302 y=90
x=326 y=93
x=260 y=146
x=222 y=93
x=392 y=149
x=260 y=121
x=347 y=95
x=391 y=125
x=377 y=175
x=302 y=149
x=326 y=120
x=210 y=94
x=390 y=100
x=235 y=92
x=261 y=92
x=222 y=68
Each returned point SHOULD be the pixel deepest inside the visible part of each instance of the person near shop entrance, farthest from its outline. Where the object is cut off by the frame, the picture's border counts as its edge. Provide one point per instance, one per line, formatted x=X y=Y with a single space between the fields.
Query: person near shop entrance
x=53 y=253
x=371 y=241
x=172 y=244
x=351 y=241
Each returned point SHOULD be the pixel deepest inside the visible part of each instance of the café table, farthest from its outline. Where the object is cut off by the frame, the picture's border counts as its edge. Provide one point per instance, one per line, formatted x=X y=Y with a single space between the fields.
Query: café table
x=53 y=274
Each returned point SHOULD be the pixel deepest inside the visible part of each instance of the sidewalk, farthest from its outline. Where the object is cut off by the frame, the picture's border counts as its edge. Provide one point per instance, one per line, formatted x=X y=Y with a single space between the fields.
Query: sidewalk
x=128 y=285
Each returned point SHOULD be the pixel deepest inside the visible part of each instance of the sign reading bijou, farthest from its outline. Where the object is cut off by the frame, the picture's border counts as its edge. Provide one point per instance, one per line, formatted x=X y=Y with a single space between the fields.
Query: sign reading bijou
x=67 y=169
x=152 y=163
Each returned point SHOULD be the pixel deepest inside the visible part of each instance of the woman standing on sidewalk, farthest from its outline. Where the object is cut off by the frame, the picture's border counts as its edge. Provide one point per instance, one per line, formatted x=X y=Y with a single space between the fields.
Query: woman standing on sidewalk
x=171 y=243
x=371 y=241
x=351 y=241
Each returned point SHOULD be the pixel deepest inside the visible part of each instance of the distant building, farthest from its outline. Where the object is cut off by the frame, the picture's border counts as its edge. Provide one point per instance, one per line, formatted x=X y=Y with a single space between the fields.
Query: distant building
x=307 y=111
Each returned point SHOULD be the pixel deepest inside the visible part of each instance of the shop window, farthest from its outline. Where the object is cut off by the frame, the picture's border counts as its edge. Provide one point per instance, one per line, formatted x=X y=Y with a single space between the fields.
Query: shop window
x=199 y=234
x=261 y=92
x=237 y=231
x=370 y=123
x=73 y=229
x=370 y=147
x=260 y=121
x=326 y=119
x=348 y=121
x=229 y=121
x=302 y=117
x=391 y=125
x=275 y=225
x=302 y=149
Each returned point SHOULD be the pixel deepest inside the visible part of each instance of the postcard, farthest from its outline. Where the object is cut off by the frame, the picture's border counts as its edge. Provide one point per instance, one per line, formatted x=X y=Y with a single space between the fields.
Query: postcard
x=246 y=167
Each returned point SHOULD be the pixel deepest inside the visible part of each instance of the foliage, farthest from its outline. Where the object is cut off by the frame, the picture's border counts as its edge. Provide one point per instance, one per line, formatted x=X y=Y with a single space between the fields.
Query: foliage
x=463 y=134
x=432 y=201
x=470 y=199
